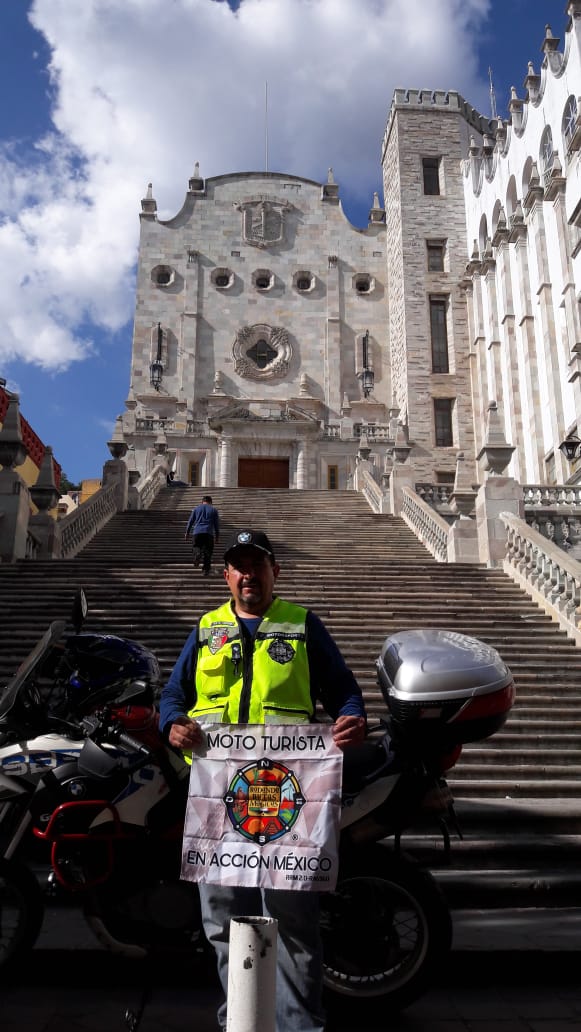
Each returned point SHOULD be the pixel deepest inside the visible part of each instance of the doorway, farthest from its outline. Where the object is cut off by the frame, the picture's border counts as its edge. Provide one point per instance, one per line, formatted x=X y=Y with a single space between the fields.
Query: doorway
x=263 y=473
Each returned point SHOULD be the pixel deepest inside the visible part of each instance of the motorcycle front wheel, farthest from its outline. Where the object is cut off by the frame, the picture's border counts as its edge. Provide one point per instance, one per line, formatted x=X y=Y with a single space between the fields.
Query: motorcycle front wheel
x=385 y=929
x=21 y=913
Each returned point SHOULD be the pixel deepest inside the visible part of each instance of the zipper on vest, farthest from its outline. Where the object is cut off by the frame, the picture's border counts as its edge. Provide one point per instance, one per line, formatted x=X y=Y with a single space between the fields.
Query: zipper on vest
x=247 y=671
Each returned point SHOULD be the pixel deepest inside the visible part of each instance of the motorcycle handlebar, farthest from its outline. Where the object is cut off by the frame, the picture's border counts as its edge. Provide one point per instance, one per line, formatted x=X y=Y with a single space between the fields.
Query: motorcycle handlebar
x=133 y=744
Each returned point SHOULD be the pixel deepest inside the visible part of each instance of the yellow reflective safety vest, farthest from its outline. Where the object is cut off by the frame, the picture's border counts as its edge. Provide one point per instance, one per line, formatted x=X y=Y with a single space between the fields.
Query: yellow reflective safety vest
x=262 y=681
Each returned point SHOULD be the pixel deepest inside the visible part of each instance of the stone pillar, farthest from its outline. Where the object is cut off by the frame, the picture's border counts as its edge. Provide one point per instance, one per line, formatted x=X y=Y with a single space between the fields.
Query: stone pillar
x=401 y=476
x=225 y=462
x=332 y=377
x=15 y=510
x=115 y=472
x=498 y=494
x=301 y=465
x=45 y=496
x=463 y=536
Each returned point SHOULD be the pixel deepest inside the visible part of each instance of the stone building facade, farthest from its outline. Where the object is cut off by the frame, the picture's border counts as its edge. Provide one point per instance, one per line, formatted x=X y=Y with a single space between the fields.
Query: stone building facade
x=275 y=343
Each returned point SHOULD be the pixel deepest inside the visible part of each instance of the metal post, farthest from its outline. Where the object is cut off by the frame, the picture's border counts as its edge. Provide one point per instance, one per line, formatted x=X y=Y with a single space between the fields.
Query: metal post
x=252 y=975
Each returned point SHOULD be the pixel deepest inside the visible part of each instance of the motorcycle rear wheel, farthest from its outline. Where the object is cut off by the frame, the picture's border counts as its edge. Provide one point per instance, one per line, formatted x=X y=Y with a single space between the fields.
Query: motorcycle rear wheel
x=21 y=913
x=385 y=929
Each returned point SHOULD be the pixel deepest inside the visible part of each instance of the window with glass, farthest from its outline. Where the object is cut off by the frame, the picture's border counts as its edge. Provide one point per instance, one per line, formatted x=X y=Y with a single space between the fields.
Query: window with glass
x=439 y=334
x=436 y=255
x=569 y=124
x=332 y=478
x=443 y=409
x=546 y=150
x=431 y=174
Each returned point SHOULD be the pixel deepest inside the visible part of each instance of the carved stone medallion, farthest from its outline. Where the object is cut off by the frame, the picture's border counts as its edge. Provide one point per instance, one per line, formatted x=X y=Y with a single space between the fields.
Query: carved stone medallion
x=261 y=352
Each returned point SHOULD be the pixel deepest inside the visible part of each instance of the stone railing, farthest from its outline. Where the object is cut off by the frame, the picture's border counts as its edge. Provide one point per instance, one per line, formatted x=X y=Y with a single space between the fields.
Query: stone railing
x=552 y=496
x=154 y=425
x=332 y=430
x=545 y=572
x=436 y=495
x=82 y=524
x=374 y=431
x=142 y=493
x=376 y=493
x=431 y=528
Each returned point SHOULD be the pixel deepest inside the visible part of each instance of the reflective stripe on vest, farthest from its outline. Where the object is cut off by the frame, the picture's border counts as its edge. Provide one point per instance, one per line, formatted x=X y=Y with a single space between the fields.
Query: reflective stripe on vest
x=271 y=685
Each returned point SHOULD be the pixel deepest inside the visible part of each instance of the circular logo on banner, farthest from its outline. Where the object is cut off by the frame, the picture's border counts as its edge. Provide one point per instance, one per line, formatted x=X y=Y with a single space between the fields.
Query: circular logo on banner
x=263 y=800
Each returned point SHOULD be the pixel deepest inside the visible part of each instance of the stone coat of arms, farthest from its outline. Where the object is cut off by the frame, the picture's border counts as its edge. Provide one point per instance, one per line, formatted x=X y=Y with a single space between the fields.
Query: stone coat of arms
x=263 y=222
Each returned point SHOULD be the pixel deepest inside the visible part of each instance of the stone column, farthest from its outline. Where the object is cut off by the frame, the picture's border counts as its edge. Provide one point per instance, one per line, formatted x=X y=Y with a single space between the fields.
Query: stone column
x=544 y=292
x=226 y=462
x=332 y=381
x=301 y=465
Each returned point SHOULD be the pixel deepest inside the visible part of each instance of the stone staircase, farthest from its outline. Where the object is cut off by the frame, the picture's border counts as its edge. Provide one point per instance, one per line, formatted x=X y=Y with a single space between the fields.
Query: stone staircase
x=366 y=575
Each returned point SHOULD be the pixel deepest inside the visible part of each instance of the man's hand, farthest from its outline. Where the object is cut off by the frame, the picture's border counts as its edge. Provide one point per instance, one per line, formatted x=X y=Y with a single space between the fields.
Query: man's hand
x=349 y=731
x=185 y=733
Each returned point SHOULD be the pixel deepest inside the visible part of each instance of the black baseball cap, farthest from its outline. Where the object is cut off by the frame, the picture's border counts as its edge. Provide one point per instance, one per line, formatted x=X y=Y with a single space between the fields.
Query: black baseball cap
x=249 y=539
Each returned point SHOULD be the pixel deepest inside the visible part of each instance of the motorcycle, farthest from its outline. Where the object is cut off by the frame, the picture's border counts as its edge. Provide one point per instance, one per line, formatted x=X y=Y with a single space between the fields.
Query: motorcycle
x=95 y=786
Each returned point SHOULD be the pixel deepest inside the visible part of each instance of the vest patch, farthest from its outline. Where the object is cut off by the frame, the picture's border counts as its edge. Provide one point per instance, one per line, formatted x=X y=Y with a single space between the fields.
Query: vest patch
x=281 y=651
x=217 y=638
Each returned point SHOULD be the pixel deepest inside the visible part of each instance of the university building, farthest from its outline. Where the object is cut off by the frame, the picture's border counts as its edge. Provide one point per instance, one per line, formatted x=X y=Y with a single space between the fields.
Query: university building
x=275 y=343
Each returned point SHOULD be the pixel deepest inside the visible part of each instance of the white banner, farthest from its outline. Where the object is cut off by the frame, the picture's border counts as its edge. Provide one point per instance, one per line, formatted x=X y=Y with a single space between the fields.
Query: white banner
x=264 y=806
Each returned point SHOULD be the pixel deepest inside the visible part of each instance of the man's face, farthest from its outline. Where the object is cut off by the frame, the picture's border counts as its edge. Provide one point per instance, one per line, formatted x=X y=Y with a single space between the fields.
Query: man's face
x=250 y=575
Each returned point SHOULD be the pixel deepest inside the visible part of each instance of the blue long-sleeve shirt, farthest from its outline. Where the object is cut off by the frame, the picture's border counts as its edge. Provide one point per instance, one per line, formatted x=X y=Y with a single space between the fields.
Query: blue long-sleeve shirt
x=332 y=682
x=204 y=519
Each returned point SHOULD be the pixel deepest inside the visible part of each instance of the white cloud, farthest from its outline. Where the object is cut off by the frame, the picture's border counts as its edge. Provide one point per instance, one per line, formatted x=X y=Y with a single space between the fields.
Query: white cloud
x=143 y=88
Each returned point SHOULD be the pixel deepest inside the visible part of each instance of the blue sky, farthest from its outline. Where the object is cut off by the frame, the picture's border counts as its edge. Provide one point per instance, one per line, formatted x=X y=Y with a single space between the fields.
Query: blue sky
x=107 y=95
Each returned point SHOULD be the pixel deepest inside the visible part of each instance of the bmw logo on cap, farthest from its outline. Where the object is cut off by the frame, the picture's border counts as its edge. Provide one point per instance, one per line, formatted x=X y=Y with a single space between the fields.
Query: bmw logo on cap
x=244 y=537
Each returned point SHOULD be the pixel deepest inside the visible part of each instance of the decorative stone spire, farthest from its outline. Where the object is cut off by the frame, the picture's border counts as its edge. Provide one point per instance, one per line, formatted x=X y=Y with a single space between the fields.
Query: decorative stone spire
x=377 y=213
x=550 y=49
x=196 y=183
x=149 y=204
x=117 y=445
x=463 y=496
x=13 y=450
x=330 y=188
x=496 y=453
x=45 y=494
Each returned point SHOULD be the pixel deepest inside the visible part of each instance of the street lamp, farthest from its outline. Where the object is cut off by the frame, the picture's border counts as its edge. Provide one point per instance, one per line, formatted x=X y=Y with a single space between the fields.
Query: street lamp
x=571 y=447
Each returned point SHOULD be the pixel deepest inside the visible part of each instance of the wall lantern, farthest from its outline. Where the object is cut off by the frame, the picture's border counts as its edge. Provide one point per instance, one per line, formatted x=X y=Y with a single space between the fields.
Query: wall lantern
x=156 y=368
x=571 y=447
x=367 y=376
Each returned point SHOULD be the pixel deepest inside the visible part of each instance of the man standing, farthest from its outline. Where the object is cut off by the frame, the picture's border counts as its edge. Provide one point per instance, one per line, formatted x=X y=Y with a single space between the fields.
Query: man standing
x=204 y=524
x=258 y=659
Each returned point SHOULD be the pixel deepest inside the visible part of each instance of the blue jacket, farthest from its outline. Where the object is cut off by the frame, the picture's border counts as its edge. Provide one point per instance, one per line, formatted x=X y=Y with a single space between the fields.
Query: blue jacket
x=204 y=520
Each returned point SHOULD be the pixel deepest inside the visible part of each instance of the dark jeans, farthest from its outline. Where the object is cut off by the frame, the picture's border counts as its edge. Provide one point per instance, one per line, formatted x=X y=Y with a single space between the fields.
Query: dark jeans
x=203 y=548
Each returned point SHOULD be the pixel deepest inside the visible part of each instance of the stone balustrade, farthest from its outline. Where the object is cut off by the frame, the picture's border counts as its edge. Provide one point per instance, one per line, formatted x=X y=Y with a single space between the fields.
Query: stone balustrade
x=431 y=528
x=552 y=496
x=80 y=525
x=154 y=425
x=545 y=572
x=373 y=431
x=142 y=493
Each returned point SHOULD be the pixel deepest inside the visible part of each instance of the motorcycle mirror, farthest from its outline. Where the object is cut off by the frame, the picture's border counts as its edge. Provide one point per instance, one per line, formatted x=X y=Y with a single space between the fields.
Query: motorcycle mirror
x=80 y=610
